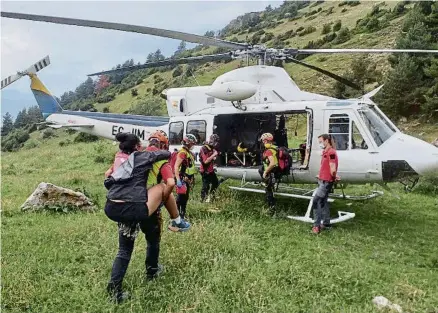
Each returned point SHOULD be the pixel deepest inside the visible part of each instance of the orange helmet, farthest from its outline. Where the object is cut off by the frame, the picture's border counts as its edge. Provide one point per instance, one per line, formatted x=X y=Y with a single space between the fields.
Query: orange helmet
x=159 y=135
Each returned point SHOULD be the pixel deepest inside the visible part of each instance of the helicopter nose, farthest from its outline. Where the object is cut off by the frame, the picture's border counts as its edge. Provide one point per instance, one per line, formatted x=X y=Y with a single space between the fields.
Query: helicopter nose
x=421 y=156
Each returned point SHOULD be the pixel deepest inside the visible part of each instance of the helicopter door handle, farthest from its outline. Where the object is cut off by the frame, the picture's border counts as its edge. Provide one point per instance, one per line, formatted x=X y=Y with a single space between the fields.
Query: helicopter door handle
x=373 y=171
x=373 y=152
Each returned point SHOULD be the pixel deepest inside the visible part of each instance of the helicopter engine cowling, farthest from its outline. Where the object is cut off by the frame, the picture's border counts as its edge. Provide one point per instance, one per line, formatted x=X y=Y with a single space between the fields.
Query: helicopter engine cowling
x=232 y=91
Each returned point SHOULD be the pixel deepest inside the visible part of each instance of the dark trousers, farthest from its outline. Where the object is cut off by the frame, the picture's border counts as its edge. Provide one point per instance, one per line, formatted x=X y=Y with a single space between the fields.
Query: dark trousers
x=269 y=189
x=151 y=227
x=321 y=210
x=209 y=184
x=181 y=201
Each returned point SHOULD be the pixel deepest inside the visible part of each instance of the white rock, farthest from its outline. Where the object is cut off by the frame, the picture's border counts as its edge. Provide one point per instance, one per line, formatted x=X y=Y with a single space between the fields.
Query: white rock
x=49 y=195
x=381 y=303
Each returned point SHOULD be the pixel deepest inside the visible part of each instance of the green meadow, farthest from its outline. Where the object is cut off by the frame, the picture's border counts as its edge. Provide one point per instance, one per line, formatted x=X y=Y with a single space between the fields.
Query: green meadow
x=234 y=259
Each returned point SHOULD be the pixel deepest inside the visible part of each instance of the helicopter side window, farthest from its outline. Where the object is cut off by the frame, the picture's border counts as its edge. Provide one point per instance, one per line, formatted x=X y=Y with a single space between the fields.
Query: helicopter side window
x=357 y=140
x=339 y=128
x=176 y=131
x=198 y=129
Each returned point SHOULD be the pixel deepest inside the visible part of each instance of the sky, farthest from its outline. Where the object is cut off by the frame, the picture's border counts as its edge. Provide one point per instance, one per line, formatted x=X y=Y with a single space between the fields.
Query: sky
x=77 y=51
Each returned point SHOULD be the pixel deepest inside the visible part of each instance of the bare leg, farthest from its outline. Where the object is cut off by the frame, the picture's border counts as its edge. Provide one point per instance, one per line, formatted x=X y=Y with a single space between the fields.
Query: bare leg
x=155 y=197
x=171 y=207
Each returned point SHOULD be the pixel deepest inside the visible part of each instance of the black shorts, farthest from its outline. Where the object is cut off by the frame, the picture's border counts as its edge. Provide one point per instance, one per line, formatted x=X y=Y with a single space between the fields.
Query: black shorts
x=126 y=212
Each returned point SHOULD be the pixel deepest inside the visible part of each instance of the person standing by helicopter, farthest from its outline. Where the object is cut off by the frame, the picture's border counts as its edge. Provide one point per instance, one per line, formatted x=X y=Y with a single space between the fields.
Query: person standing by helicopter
x=207 y=155
x=184 y=169
x=268 y=170
x=326 y=178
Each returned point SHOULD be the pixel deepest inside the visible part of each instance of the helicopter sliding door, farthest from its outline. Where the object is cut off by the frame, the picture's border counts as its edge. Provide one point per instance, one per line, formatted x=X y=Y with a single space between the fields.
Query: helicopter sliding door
x=354 y=147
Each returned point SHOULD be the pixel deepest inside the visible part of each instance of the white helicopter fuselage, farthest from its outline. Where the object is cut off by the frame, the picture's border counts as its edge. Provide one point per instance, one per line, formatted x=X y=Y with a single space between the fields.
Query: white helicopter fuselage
x=369 y=146
x=398 y=155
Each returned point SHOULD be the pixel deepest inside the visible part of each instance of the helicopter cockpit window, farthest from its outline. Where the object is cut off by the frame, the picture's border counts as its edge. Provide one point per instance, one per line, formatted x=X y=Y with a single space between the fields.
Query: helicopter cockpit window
x=198 y=129
x=357 y=140
x=176 y=132
x=378 y=127
x=339 y=128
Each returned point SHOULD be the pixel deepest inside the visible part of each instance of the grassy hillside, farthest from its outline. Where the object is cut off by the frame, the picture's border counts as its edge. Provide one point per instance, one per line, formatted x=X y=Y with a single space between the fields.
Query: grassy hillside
x=235 y=258
x=307 y=79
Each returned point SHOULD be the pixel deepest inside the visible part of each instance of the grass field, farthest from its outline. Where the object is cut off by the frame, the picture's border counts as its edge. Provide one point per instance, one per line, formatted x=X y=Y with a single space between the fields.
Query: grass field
x=234 y=259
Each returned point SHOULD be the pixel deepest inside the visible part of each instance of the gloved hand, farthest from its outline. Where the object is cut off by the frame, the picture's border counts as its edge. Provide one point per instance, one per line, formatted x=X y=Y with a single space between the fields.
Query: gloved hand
x=179 y=183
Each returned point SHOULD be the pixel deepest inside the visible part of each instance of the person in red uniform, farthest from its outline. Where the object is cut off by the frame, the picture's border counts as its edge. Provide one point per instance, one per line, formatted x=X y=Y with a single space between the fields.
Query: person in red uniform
x=269 y=168
x=162 y=172
x=326 y=178
x=185 y=170
x=208 y=154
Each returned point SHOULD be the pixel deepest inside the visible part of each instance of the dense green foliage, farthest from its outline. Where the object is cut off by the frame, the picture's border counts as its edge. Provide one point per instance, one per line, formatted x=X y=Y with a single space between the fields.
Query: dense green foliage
x=411 y=88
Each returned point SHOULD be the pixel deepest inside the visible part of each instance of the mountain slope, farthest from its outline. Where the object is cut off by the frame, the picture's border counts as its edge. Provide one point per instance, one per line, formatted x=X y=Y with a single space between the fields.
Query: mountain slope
x=326 y=13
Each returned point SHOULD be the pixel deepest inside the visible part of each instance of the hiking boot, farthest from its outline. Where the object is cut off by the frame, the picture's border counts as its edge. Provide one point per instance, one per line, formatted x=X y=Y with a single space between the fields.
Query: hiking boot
x=316 y=230
x=182 y=226
x=154 y=272
x=208 y=200
x=326 y=227
x=116 y=294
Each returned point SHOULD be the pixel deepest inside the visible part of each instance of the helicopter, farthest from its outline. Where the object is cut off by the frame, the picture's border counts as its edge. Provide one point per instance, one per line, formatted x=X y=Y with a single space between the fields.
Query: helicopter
x=242 y=104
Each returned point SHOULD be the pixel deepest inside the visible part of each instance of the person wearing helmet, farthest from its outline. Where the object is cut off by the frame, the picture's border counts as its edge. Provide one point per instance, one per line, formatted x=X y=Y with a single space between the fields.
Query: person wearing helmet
x=162 y=171
x=131 y=204
x=208 y=154
x=267 y=171
x=185 y=170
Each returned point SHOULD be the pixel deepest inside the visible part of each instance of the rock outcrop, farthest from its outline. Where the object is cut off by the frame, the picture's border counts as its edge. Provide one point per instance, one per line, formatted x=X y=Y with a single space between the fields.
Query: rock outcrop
x=49 y=196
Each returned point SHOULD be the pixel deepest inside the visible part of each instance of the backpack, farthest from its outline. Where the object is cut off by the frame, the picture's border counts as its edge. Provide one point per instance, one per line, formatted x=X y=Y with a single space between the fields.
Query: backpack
x=284 y=160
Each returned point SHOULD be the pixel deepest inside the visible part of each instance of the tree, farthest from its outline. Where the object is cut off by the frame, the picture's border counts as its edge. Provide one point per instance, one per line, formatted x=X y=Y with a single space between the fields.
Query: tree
x=337 y=26
x=34 y=115
x=21 y=119
x=158 y=56
x=209 y=33
x=181 y=48
x=147 y=106
x=101 y=83
x=8 y=124
x=326 y=28
x=411 y=88
x=399 y=96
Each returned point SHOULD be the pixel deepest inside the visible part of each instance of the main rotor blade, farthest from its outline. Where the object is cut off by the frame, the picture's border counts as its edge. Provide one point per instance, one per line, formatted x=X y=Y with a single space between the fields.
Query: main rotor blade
x=330 y=74
x=208 y=41
x=166 y=62
x=312 y=51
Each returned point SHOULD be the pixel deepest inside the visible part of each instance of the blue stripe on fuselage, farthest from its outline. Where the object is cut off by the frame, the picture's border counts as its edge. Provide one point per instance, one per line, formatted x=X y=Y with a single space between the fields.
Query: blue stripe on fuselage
x=139 y=120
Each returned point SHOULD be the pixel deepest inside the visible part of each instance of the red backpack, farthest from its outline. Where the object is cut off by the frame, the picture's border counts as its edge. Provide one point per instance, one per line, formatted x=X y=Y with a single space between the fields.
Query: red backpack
x=284 y=160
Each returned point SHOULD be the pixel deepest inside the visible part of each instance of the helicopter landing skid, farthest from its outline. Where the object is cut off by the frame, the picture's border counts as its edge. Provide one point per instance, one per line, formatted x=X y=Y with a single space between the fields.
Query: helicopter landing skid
x=342 y=215
x=309 y=195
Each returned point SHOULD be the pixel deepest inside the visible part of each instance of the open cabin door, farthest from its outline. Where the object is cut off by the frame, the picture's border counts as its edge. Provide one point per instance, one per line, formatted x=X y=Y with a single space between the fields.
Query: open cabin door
x=354 y=148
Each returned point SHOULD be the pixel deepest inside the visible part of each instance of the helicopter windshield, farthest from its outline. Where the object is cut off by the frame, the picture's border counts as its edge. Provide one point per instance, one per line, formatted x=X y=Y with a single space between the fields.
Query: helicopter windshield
x=379 y=128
